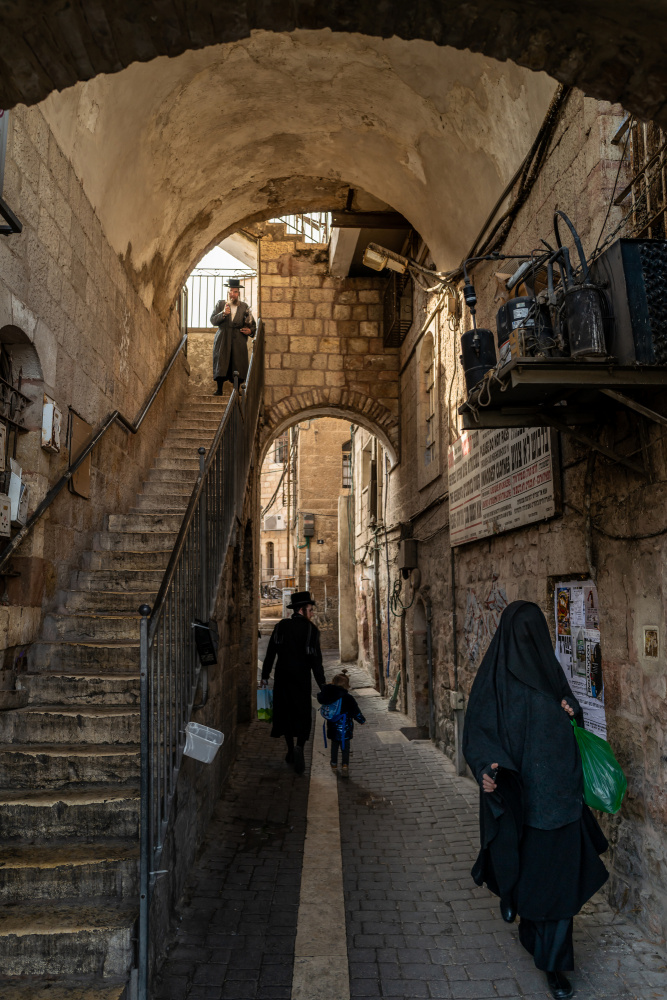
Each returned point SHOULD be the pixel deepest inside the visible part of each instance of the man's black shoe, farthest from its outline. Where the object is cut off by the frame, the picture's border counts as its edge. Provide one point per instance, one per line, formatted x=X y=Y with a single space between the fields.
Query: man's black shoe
x=507 y=911
x=299 y=762
x=560 y=985
x=289 y=756
x=218 y=391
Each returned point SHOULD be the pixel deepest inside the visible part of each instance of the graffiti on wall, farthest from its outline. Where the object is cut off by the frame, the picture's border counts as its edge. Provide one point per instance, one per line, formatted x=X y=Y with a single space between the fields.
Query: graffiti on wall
x=481 y=620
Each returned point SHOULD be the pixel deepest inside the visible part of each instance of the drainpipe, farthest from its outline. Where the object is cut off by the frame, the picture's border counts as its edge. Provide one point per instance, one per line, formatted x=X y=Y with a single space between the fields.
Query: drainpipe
x=307 y=562
x=429 y=662
x=378 y=620
x=456 y=695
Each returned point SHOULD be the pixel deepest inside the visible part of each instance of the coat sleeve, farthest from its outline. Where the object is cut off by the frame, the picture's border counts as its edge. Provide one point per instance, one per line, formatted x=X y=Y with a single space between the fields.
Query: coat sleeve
x=218 y=314
x=267 y=666
x=355 y=711
x=251 y=322
x=317 y=668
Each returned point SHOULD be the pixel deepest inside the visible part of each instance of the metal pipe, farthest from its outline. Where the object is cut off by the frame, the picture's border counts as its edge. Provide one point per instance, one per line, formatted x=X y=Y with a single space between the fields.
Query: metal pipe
x=308 y=562
x=378 y=618
x=144 y=814
x=429 y=664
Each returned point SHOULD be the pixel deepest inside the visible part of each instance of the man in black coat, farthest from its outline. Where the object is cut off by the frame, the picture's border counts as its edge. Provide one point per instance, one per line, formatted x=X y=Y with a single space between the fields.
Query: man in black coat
x=296 y=643
x=235 y=324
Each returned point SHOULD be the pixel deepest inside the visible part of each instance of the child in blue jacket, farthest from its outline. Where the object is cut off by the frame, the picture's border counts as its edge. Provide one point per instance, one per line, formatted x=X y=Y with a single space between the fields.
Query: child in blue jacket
x=342 y=712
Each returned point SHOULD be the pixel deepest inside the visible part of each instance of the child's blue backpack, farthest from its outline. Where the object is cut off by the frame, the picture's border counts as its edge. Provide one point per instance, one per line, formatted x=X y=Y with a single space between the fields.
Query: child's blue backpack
x=332 y=713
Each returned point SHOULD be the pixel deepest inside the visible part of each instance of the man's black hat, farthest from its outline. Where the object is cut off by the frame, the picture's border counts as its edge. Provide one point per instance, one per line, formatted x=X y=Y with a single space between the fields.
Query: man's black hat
x=234 y=283
x=299 y=598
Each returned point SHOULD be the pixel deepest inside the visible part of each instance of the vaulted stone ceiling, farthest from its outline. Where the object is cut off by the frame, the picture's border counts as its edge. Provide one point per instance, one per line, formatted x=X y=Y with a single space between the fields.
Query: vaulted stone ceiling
x=176 y=153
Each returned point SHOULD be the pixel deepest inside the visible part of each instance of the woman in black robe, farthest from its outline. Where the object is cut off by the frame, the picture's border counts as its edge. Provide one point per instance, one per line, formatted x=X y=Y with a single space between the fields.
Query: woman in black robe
x=540 y=844
x=296 y=643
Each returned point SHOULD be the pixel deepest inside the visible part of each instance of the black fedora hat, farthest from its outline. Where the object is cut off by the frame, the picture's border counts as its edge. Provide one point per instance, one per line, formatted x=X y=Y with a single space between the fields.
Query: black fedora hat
x=234 y=283
x=298 y=599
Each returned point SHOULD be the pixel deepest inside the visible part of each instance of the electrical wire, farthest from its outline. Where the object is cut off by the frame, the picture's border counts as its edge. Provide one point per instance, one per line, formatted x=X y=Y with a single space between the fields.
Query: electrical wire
x=613 y=193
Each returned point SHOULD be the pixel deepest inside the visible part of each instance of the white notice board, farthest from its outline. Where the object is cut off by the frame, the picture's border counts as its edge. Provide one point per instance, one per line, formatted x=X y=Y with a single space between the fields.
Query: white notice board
x=499 y=479
x=578 y=648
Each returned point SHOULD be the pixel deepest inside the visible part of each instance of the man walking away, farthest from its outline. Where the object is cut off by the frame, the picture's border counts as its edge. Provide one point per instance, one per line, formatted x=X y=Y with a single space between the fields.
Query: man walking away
x=235 y=324
x=296 y=643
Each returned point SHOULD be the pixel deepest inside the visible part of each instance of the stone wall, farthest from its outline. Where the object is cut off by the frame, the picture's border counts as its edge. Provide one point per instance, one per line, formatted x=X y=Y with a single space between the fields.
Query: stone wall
x=577 y=176
x=324 y=350
x=64 y=292
x=319 y=487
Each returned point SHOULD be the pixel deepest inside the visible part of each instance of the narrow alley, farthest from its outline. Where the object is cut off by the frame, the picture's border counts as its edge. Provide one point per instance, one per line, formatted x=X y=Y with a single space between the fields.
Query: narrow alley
x=416 y=925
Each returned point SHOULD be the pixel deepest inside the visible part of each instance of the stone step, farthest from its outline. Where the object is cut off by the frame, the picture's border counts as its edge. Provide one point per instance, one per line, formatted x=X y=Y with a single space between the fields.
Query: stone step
x=51 y=688
x=84 y=656
x=185 y=446
x=107 y=601
x=157 y=488
x=135 y=541
x=143 y=522
x=174 y=463
x=88 y=814
x=171 y=476
x=131 y=581
x=125 y=560
x=65 y=872
x=162 y=504
x=63 y=988
x=70 y=724
x=58 y=940
x=91 y=626
x=61 y=765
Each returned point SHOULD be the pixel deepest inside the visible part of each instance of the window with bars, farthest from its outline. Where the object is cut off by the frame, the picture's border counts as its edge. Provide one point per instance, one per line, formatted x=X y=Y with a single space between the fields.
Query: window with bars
x=347 y=465
x=429 y=407
x=645 y=195
x=280 y=450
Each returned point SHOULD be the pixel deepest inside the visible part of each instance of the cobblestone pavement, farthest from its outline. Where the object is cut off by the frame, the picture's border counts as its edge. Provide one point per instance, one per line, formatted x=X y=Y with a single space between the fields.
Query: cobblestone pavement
x=417 y=925
x=237 y=919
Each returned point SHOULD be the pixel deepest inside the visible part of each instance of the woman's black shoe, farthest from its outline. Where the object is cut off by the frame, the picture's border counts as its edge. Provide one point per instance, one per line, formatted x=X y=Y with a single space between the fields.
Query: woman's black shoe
x=560 y=985
x=299 y=762
x=507 y=911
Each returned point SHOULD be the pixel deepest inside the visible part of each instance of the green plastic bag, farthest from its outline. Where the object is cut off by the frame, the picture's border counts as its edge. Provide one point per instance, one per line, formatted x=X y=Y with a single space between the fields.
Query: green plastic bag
x=604 y=781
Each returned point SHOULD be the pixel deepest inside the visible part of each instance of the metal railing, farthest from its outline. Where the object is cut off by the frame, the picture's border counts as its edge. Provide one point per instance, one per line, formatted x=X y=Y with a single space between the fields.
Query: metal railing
x=115 y=417
x=207 y=285
x=315 y=227
x=170 y=669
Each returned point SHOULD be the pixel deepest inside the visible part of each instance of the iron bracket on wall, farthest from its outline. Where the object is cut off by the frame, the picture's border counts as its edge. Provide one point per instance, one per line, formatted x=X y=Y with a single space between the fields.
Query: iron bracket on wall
x=595 y=445
x=14 y=224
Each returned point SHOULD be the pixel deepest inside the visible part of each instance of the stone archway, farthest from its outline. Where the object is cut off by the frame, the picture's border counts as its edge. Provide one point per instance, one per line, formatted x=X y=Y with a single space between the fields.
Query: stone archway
x=331 y=402
x=611 y=50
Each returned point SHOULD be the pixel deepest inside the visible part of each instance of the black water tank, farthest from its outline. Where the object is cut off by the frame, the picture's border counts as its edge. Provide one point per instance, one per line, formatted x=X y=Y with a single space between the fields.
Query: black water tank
x=478 y=355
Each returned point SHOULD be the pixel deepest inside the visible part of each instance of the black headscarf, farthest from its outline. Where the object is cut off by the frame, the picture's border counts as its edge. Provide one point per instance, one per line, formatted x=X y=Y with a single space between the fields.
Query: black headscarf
x=514 y=718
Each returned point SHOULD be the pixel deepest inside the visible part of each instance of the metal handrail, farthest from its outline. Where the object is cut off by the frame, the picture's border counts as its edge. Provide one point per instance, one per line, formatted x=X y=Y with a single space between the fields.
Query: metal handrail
x=115 y=417
x=170 y=670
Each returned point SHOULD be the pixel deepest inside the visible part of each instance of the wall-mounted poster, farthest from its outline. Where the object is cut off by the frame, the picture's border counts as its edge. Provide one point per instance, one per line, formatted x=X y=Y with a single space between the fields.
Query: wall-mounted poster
x=578 y=648
x=500 y=479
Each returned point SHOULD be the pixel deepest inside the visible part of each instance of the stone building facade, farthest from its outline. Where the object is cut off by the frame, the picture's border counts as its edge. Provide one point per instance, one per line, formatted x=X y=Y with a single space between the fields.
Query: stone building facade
x=458 y=593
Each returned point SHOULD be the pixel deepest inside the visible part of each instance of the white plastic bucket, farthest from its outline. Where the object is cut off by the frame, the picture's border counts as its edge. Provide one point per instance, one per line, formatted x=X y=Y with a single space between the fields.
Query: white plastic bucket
x=201 y=742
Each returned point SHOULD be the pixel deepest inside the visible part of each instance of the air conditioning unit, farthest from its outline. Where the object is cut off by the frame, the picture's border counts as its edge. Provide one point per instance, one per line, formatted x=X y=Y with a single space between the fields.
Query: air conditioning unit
x=274 y=522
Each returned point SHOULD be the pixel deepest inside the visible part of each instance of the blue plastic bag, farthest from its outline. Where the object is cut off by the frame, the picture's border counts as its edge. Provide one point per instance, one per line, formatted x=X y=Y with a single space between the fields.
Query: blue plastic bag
x=265 y=704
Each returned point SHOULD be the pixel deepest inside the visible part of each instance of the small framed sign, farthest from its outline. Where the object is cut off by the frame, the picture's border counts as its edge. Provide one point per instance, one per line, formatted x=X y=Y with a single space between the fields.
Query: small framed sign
x=651 y=648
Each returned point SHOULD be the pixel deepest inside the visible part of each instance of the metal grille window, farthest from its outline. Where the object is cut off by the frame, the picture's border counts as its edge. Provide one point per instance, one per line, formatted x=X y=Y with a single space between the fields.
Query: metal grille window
x=280 y=452
x=396 y=309
x=347 y=467
x=648 y=187
x=314 y=227
x=429 y=386
x=207 y=285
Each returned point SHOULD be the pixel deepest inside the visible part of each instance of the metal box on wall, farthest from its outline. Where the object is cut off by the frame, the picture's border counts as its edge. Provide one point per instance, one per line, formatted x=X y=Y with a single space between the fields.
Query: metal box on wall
x=633 y=274
x=308 y=525
x=5 y=516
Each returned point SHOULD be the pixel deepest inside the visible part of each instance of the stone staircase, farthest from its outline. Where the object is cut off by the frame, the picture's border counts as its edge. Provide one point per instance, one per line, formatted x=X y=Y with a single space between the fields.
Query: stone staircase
x=69 y=759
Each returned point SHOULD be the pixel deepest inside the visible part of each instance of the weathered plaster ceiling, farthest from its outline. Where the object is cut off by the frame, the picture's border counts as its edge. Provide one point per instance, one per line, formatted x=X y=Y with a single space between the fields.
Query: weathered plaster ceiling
x=177 y=153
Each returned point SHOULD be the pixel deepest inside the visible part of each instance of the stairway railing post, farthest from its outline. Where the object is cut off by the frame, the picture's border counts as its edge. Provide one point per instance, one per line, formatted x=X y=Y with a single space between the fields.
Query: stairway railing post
x=203 y=540
x=144 y=816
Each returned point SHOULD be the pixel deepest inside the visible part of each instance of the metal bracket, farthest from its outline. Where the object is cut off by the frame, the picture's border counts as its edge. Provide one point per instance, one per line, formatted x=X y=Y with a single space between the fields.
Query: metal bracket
x=595 y=445
x=634 y=405
x=14 y=225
